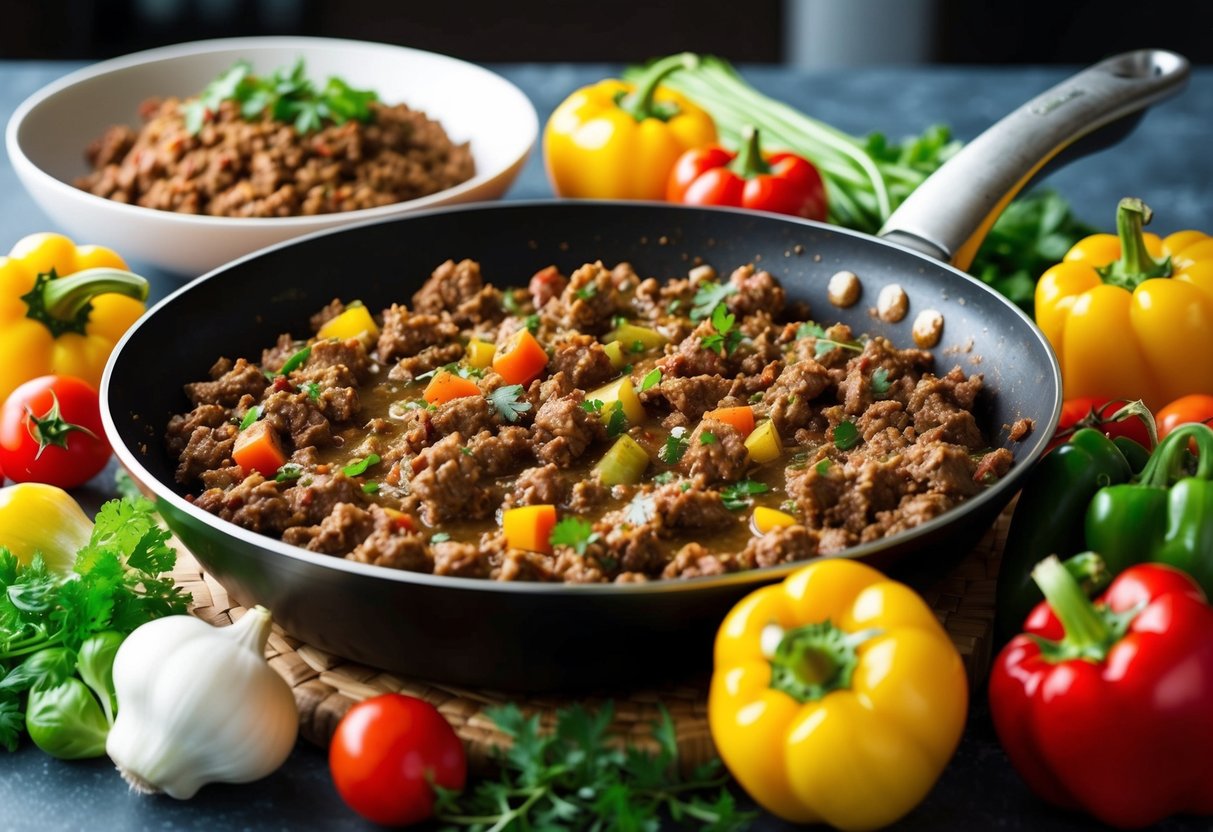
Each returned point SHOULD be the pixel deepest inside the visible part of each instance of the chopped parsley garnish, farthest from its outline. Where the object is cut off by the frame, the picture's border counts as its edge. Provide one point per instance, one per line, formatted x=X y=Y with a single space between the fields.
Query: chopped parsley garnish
x=617 y=423
x=289 y=471
x=439 y=537
x=640 y=510
x=755 y=398
x=312 y=389
x=675 y=446
x=508 y=402
x=358 y=467
x=708 y=296
x=295 y=361
x=251 y=415
x=464 y=371
x=707 y=438
x=789 y=506
x=575 y=533
x=880 y=381
x=822 y=468
x=370 y=487
x=637 y=346
x=651 y=379
x=846 y=435
x=287 y=96
x=673 y=305
x=509 y=301
x=725 y=340
x=824 y=344
x=592 y=405
x=532 y=323
x=737 y=495
x=618 y=321
x=465 y=450
x=588 y=291
x=664 y=477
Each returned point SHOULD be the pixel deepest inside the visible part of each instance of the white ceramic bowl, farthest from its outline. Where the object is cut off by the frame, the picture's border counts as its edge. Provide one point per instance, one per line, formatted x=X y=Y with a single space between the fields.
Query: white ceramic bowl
x=47 y=135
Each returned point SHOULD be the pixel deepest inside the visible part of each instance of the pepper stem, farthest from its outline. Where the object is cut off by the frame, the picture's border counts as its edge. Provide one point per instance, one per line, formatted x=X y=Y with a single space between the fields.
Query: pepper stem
x=749 y=162
x=639 y=103
x=1166 y=462
x=815 y=659
x=1088 y=635
x=63 y=304
x=1135 y=265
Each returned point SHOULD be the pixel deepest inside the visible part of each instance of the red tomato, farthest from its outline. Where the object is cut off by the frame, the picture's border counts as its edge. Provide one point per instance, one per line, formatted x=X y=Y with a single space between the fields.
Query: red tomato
x=1197 y=407
x=384 y=754
x=50 y=432
x=1097 y=413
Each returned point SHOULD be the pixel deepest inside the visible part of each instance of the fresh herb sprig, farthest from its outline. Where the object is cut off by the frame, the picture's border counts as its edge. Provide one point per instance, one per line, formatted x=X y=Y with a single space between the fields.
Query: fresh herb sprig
x=286 y=95
x=575 y=533
x=708 y=296
x=737 y=495
x=575 y=777
x=725 y=339
x=508 y=402
x=675 y=446
x=824 y=344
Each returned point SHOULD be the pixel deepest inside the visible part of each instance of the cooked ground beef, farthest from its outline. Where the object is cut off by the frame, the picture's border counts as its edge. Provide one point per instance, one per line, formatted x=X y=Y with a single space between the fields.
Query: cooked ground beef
x=267 y=168
x=384 y=471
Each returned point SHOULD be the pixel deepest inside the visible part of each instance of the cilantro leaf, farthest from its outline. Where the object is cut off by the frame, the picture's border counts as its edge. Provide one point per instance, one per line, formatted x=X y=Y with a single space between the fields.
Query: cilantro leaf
x=617 y=422
x=289 y=471
x=846 y=435
x=737 y=495
x=651 y=379
x=575 y=533
x=707 y=438
x=725 y=340
x=824 y=344
x=508 y=402
x=822 y=468
x=357 y=467
x=880 y=381
x=592 y=405
x=313 y=390
x=675 y=446
x=532 y=323
x=708 y=296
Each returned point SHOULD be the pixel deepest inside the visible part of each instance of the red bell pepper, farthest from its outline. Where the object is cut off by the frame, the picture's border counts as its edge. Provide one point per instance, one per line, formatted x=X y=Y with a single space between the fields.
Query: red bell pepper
x=782 y=182
x=1108 y=707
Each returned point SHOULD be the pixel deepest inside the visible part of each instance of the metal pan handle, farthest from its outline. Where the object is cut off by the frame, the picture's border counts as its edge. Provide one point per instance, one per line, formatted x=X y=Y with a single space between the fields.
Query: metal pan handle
x=948 y=215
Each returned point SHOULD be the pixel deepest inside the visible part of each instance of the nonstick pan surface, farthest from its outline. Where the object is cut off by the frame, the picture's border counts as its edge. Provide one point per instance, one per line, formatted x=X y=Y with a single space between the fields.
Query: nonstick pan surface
x=543 y=637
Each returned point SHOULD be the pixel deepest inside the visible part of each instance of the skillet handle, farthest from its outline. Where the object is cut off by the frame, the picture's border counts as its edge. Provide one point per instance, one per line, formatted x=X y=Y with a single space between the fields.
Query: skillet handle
x=948 y=215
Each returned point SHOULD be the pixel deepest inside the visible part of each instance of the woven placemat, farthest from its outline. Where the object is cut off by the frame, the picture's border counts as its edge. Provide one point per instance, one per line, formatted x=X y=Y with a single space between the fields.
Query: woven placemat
x=326 y=685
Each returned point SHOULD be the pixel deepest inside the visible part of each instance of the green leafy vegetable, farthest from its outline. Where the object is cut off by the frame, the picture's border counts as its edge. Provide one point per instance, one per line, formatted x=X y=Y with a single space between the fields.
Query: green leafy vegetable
x=250 y=416
x=287 y=95
x=508 y=402
x=822 y=468
x=577 y=778
x=880 y=381
x=664 y=477
x=846 y=435
x=736 y=496
x=65 y=721
x=588 y=291
x=357 y=467
x=592 y=405
x=370 y=487
x=532 y=323
x=675 y=446
x=651 y=379
x=707 y=438
x=312 y=389
x=125 y=486
x=575 y=533
x=617 y=422
x=289 y=471
x=824 y=344
x=708 y=296
x=725 y=339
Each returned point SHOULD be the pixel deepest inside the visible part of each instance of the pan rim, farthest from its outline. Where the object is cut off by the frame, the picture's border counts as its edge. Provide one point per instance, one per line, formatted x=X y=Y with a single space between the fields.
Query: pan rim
x=761 y=575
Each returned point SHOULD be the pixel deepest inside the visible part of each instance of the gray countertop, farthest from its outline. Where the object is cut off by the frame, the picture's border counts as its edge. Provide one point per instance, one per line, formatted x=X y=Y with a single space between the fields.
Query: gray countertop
x=1166 y=162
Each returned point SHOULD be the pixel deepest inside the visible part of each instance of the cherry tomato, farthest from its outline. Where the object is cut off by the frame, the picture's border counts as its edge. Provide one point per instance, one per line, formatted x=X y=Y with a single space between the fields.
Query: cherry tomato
x=1197 y=407
x=384 y=754
x=50 y=432
x=1097 y=413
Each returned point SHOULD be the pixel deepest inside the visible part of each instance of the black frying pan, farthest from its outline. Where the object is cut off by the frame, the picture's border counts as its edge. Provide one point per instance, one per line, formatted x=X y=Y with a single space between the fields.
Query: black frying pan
x=543 y=637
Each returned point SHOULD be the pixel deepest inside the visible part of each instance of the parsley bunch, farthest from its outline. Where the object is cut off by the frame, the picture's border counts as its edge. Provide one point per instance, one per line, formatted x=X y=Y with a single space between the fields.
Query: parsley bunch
x=577 y=778
x=287 y=95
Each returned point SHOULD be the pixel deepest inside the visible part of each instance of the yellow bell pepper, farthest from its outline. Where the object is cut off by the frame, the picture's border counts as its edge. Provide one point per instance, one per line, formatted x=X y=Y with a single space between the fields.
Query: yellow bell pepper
x=1130 y=315
x=63 y=307
x=37 y=518
x=614 y=140
x=837 y=696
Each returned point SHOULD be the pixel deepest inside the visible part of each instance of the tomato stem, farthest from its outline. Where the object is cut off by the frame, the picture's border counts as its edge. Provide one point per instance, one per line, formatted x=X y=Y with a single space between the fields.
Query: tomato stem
x=51 y=428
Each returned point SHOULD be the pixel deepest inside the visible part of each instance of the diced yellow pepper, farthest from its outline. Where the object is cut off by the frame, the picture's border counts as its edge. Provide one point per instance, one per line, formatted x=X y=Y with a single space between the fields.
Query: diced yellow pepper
x=479 y=353
x=630 y=335
x=764 y=444
x=623 y=464
x=354 y=322
x=766 y=519
x=620 y=390
x=614 y=351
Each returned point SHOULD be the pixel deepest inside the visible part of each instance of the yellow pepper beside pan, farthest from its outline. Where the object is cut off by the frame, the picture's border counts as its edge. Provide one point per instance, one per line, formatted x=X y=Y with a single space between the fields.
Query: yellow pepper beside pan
x=837 y=696
x=614 y=140
x=63 y=307
x=1130 y=315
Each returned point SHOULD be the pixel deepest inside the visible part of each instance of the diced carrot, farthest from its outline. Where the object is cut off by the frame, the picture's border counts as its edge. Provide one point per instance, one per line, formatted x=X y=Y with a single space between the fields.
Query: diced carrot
x=741 y=418
x=445 y=386
x=529 y=527
x=258 y=449
x=521 y=359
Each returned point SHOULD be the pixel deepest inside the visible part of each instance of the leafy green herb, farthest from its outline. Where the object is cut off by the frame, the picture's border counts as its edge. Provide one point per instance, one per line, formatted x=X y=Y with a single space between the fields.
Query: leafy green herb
x=618 y=321
x=250 y=416
x=575 y=533
x=509 y=300
x=508 y=402
x=789 y=506
x=725 y=339
x=755 y=398
x=370 y=487
x=675 y=446
x=465 y=371
x=289 y=471
x=295 y=361
x=664 y=477
x=640 y=510
x=312 y=389
x=637 y=346
x=651 y=379
x=736 y=496
x=880 y=381
x=822 y=468
x=617 y=422
x=824 y=343
x=287 y=96
x=465 y=450
x=592 y=405
x=532 y=323
x=358 y=467
x=577 y=778
x=125 y=486
x=846 y=435
x=708 y=296
x=674 y=305
x=707 y=438
x=439 y=537
x=588 y=291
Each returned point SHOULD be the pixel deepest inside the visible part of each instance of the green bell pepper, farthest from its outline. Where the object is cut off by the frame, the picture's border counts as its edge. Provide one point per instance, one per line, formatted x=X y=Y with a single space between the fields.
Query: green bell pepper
x=1048 y=517
x=1163 y=515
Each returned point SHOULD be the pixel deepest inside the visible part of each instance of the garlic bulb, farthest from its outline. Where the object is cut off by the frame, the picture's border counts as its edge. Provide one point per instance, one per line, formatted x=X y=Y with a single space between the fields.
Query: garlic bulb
x=199 y=704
